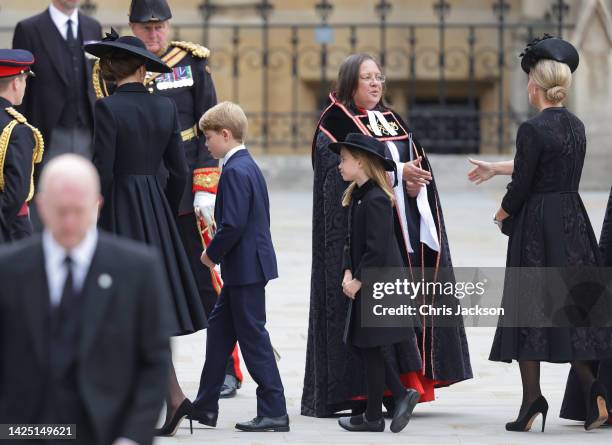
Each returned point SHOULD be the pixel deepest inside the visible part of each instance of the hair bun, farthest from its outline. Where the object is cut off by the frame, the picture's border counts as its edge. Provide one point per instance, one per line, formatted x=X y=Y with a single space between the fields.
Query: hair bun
x=556 y=94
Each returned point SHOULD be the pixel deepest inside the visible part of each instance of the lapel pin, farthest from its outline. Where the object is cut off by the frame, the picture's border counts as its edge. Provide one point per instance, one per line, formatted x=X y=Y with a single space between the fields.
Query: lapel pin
x=105 y=281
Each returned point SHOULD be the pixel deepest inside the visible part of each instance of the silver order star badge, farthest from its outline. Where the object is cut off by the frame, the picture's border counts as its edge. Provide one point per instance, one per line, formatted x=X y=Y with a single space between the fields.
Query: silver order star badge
x=105 y=281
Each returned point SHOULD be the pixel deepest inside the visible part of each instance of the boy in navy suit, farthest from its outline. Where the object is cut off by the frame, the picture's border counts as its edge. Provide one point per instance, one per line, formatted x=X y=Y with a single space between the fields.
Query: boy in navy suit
x=243 y=247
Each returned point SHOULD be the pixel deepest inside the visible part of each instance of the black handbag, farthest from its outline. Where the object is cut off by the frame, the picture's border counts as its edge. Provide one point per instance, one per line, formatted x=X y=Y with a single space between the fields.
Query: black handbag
x=507 y=226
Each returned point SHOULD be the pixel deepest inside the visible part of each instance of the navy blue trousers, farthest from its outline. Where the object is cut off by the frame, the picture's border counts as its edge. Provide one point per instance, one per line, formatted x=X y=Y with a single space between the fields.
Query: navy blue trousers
x=240 y=315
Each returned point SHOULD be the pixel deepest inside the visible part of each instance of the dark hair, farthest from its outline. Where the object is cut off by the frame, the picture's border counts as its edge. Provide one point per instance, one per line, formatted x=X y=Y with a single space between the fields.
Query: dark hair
x=348 y=78
x=119 y=65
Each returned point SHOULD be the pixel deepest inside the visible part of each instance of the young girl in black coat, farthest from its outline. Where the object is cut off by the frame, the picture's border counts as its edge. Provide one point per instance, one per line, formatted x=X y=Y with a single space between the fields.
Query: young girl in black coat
x=371 y=243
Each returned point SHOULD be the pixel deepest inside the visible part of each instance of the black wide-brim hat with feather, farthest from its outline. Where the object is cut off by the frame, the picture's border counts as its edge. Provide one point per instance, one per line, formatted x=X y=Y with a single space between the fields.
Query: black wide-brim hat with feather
x=549 y=48
x=365 y=143
x=129 y=45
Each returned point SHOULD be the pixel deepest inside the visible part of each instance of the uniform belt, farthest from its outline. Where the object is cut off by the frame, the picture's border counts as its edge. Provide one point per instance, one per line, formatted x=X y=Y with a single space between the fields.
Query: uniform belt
x=190 y=133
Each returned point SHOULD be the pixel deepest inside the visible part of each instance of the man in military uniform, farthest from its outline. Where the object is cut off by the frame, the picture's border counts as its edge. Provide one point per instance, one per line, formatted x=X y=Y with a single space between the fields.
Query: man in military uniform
x=21 y=146
x=191 y=87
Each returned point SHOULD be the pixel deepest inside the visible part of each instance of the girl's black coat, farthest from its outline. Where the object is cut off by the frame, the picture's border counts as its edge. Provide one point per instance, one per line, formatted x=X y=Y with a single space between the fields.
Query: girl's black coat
x=371 y=244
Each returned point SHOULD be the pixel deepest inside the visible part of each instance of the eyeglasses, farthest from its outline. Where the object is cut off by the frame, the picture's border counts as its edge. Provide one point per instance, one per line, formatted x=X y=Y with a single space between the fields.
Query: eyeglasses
x=368 y=77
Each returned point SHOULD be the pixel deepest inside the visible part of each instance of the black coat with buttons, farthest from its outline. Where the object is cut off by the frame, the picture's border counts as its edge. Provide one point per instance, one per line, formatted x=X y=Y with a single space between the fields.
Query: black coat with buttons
x=371 y=243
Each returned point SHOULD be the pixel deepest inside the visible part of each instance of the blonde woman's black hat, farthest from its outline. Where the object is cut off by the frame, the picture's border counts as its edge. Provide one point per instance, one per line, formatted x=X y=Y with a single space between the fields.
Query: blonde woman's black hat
x=549 y=48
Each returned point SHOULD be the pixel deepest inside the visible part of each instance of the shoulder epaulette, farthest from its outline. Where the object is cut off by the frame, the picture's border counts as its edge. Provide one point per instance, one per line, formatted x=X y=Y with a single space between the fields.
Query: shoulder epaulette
x=193 y=48
x=99 y=84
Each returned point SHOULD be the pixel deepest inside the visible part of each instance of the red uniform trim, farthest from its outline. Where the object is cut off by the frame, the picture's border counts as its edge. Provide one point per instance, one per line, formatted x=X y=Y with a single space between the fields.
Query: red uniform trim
x=8 y=71
x=206 y=179
x=25 y=210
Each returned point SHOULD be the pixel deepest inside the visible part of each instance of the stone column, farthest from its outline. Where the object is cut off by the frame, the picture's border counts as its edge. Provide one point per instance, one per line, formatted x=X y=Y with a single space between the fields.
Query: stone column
x=592 y=91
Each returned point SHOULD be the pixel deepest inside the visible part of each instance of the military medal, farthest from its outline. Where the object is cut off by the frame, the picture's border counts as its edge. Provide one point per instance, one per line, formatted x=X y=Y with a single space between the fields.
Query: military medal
x=179 y=77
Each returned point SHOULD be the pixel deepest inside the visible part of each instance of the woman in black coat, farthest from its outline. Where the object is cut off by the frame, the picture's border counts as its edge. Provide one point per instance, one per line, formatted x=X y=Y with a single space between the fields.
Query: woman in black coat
x=548 y=227
x=371 y=244
x=134 y=133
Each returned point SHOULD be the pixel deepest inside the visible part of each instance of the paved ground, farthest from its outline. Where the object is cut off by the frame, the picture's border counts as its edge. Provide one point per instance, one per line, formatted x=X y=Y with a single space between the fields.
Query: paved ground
x=472 y=412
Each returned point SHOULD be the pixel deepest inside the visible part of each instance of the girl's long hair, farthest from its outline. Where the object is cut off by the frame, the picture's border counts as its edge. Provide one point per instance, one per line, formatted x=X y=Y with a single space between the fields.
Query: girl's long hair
x=373 y=168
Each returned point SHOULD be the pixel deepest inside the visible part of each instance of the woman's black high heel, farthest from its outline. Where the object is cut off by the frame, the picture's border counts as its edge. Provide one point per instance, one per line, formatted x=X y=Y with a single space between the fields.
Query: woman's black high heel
x=597 y=408
x=525 y=420
x=170 y=427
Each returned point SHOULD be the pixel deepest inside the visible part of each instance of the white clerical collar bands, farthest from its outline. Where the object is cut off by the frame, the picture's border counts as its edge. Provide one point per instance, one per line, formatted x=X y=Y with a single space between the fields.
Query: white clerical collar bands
x=375 y=116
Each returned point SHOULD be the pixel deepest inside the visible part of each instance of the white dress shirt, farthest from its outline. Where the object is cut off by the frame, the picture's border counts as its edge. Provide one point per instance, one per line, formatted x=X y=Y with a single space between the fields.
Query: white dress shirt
x=56 y=269
x=61 y=21
x=232 y=152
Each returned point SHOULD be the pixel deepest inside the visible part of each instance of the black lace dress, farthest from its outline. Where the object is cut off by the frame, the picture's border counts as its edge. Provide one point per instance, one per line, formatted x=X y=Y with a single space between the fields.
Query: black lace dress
x=550 y=228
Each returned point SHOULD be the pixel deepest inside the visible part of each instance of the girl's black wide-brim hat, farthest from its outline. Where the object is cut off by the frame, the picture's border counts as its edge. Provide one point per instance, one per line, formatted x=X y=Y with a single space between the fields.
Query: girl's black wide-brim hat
x=551 y=48
x=130 y=45
x=367 y=144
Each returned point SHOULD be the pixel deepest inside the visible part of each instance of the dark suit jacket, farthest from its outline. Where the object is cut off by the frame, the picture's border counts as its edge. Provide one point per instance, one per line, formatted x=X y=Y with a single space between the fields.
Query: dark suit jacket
x=123 y=351
x=243 y=243
x=48 y=91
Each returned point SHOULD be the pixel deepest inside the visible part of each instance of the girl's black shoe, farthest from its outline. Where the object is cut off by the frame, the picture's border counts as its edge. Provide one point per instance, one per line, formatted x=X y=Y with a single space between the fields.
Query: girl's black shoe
x=597 y=408
x=170 y=427
x=525 y=420
x=360 y=423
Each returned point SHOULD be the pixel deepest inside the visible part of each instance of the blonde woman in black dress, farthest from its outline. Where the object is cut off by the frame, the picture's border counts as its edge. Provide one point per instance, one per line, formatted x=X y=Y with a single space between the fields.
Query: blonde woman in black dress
x=548 y=226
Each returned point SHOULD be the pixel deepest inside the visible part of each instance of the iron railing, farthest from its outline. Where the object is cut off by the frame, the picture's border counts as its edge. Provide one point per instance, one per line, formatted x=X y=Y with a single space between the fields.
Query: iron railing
x=451 y=80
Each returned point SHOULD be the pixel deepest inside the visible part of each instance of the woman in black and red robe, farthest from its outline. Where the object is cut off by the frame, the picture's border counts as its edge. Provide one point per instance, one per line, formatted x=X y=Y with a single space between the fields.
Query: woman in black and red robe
x=437 y=356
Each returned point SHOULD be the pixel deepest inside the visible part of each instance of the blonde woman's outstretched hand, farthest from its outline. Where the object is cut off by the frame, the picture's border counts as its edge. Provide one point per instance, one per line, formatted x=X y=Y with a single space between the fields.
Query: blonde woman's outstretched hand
x=483 y=171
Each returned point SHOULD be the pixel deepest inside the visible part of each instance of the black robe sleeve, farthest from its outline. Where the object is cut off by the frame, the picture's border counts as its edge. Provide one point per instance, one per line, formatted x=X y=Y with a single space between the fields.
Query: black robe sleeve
x=528 y=150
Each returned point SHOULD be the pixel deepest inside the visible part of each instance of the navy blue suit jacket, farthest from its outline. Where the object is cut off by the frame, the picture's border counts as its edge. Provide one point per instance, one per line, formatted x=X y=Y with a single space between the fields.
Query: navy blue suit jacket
x=243 y=243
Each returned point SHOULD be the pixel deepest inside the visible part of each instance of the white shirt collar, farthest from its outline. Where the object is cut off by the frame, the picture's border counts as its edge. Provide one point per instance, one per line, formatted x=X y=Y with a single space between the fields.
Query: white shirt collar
x=81 y=255
x=60 y=19
x=232 y=152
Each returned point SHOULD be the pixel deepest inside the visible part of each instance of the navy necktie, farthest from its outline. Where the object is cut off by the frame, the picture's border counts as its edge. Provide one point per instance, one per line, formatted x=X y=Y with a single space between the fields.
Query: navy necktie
x=69 y=34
